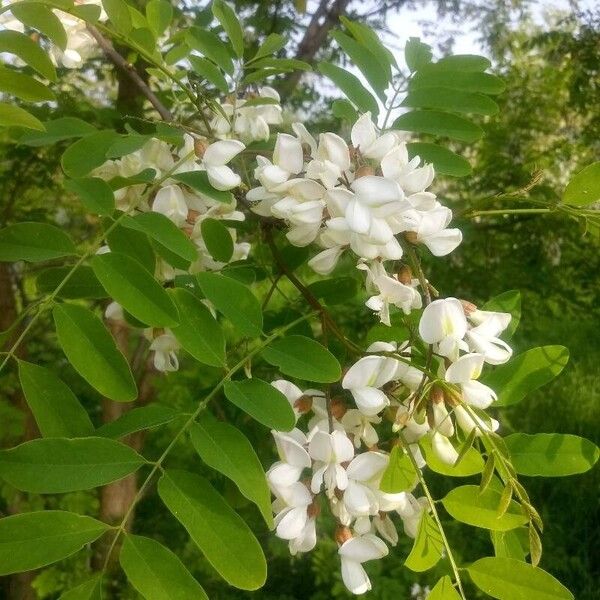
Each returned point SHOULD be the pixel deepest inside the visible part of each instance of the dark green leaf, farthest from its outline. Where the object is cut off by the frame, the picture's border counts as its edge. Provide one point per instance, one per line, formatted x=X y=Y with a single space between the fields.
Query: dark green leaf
x=417 y=54
x=126 y=144
x=198 y=180
x=34 y=242
x=335 y=291
x=58 y=130
x=82 y=283
x=463 y=62
x=273 y=42
x=87 y=153
x=451 y=100
x=134 y=243
x=229 y=21
x=96 y=195
x=439 y=124
x=208 y=44
x=444 y=161
x=430 y=76
x=343 y=109
x=209 y=71
x=138 y=419
x=351 y=86
x=217 y=239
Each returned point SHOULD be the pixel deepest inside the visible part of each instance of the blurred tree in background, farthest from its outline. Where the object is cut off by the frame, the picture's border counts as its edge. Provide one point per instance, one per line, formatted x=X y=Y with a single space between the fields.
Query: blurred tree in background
x=548 y=128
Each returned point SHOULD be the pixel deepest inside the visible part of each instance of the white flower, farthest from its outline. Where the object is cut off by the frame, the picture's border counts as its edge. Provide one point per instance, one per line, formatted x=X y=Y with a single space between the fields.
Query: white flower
x=324 y=262
x=353 y=553
x=364 y=474
x=385 y=527
x=292 y=511
x=410 y=512
x=443 y=448
x=468 y=422
x=484 y=338
x=430 y=229
x=412 y=178
x=443 y=322
x=361 y=427
x=165 y=348
x=331 y=161
x=329 y=451
x=294 y=459
x=215 y=160
x=364 y=138
x=464 y=372
x=170 y=202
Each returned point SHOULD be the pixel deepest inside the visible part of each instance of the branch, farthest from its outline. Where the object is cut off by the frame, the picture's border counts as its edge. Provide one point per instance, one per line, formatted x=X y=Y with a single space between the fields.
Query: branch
x=128 y=69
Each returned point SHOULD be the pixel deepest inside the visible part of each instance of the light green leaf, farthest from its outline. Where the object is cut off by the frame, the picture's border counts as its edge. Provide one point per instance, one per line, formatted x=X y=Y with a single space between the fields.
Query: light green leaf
x=55 y=408
x=224 y=538
x=304 y=358
x=526 y=372
x=261 y=74
x=88 y=590
x=156 y=572
x=235 y=301
x=159 y=14
x=34 y=242
x=262 y=402
x=467 y=505
x=217 y=239
x=15 y=116
x=81 y=284
x=439 y=124
x=428 y=546
x=59 y=465
x=551 y=454
x=127 y=144
x=138 y=419
x=509 y=302
x=369 y=38
x=273 y=42
x=351 y=86
x=230 y=23
x=443 y=590
x=93 y=352
x=226 y=449
x=208 y=70
x=471 y=463
x=87 y=153
x=43 y=19
x=417 y=54
x=58 y=130
x=343 y=109
x=95 y=194
x=400 y=475
x=463 y=62
x=32 y=540
x=28 y=51
x=281 y=63
x=511 y=579
x=444 y=161
x=430 y=76
x=198 y=180
x=209 y=45
x=119 y=15
x=135 y=289
x=584 y=187
x=451 y=100
x=511 y=544
x=23 y=86
x=165 y=232
x=198 y=332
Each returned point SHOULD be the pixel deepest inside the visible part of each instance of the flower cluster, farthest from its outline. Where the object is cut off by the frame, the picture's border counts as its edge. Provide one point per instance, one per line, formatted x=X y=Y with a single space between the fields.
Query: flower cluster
x=358 y=197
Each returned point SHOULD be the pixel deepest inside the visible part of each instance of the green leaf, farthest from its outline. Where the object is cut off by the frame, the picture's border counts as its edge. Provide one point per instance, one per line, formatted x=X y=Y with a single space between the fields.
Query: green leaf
x=443 y=590
x=159 y=14
x=209 y=44
x=28 y=51
x=82 y=283
x=428 y=546
x=134 y=243
x=451 y=100
x=230 y=23
x=261 y=74
x=262 y=402
x=88 y=590
x=444 y=161
x=137 y=419
x=58 y=130
x=32 y=540
x=351 y=86
x=281 y=63
x=510 y=579
x=365 y=60
x=368 y=38
x=226 y=449
x=467 y=505
x=95 y=194
x=119 y=15
x=198 y=332
x=400 y=475
x=43 y=19
x=430 y=76
x=463 y=62
x=224 y=538
x=526 y=372
x=198 y=180
x=135 y=289
x=93 y=352
x=343 y=109
x=23 y=86
x=509 y=302
x=235 y=301
x=208 y=70
x=87 y=12
x=87 y=153
x=551 y=454
x=59 y=465
x=584 y=187
x=470 y=464
x=335 y=291
x=15 y=116
x=509 y=544
x=126 y=144
x=165 y=232
x=301 y=357
x=217 y=239
x=273 y=42
x=34 y=242
x=439 y=124
x=417 y=54
x=55 y=408
x=156 y=572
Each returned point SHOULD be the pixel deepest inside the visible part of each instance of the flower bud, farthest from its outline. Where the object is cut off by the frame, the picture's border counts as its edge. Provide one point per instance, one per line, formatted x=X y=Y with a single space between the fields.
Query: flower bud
x=342 y=534
x=411 y=237
x=314 y=509
x=364 y=171
x=338 y=408
x=200 y=147
x=468 y=307
x=404 y=275
x=303 y=404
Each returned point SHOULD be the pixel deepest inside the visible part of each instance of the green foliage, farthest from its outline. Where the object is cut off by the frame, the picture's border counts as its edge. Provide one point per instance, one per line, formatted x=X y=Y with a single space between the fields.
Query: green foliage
x=95 y=194
x=428 y=546
x=217 y=239
x=584 y=187
x=34 y=242
x=138 y=419
x=400 y=475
